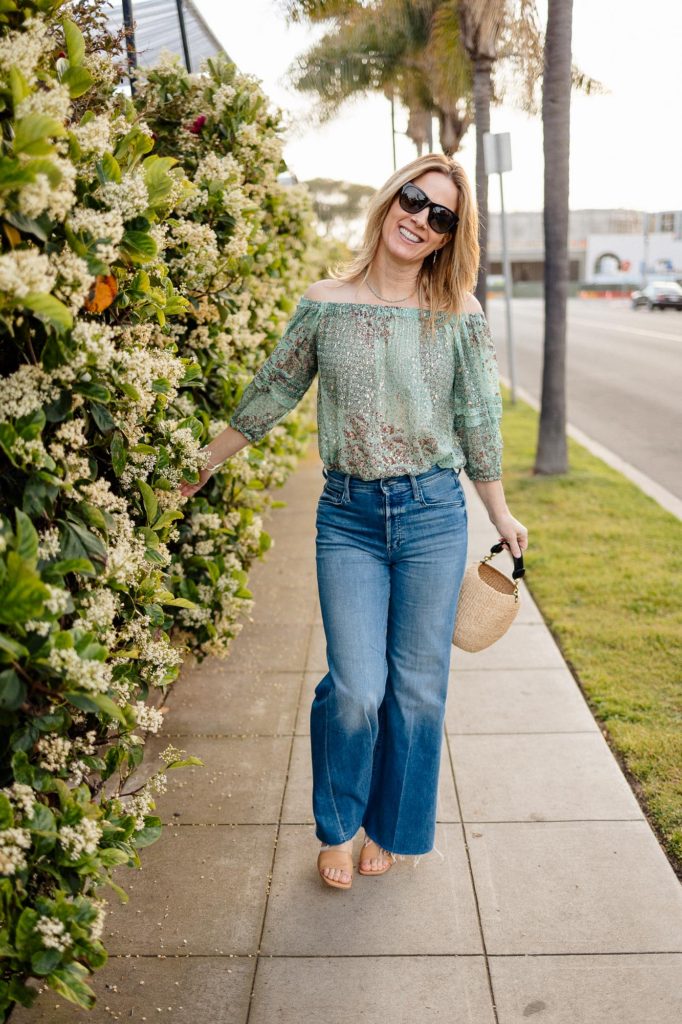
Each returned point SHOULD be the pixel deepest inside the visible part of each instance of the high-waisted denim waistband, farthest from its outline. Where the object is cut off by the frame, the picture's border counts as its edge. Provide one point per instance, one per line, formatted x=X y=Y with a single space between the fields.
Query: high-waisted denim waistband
x=395 y=482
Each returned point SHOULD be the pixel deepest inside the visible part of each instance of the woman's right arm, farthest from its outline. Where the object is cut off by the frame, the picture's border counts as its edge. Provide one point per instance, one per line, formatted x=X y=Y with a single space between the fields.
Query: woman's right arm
x=274 y=390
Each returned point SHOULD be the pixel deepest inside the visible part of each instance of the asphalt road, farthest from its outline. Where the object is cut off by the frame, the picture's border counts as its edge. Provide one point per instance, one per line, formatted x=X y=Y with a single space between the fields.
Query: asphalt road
x=624 y=376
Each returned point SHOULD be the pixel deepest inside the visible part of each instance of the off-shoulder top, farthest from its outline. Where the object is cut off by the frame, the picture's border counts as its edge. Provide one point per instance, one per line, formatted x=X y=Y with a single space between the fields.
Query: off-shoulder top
x=393 y=397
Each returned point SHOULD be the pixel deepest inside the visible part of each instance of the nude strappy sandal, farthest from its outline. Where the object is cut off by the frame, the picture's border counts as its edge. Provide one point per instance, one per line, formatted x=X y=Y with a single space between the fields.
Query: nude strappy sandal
x=328 y=858
x=381 y=853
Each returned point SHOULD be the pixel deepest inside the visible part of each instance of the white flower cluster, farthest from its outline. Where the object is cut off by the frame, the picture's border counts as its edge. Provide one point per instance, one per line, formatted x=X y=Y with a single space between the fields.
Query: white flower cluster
x=52 y=100
x=24 y=49
x=96 y=344
x=23 y=271
x=128 y=197
x=216 y=168
x=40 y=196
x=80 y=839
x=94 y=136
x=13 y=842
x=54 y=933
x=105 y=228
x=22 y=797
x=74 y=279
x=199 y=261
x=55 y=751
x=222 y=98
x=82 y=673
x=48 y=543
x=148 y=718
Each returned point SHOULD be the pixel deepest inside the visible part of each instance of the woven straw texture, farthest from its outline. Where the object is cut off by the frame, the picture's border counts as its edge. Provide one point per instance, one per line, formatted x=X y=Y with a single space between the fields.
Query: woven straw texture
x=486 y=607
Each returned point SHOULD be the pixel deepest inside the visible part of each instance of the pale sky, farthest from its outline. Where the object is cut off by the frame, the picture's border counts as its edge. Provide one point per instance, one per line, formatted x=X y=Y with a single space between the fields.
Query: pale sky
x=625 y=145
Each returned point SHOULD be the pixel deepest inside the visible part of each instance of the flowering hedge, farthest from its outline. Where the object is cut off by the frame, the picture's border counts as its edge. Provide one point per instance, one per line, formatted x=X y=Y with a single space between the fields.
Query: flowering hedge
x=148 y=258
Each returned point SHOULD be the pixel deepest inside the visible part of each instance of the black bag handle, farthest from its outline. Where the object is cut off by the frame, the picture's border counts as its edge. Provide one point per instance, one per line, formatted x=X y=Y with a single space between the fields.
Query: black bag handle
x=519 y=569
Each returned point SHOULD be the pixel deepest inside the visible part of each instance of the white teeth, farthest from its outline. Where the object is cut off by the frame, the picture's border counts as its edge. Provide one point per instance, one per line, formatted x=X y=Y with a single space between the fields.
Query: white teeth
x=408 y=234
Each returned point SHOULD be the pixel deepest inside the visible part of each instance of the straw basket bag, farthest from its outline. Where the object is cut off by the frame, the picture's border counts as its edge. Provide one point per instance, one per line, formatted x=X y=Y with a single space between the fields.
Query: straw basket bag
x=488 y=603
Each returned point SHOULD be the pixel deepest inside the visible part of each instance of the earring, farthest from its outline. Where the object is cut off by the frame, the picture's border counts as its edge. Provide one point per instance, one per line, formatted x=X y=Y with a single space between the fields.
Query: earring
x=435 y=257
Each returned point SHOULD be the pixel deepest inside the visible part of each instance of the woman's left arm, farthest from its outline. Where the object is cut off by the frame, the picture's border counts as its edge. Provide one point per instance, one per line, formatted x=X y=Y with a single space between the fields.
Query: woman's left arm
x=491 y=493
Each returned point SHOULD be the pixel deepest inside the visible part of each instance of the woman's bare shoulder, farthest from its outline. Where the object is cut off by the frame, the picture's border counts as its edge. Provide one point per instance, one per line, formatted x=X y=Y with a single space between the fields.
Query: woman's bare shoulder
x=328 y=289
x=471 y=304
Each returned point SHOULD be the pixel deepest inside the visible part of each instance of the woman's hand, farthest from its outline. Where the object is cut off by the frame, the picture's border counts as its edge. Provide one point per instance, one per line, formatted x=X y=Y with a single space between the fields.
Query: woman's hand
x=513 y=532
x=189 y=490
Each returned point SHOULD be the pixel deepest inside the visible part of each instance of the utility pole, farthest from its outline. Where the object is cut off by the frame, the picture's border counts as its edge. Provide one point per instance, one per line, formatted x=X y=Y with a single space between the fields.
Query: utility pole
x=497 y=156
x=131 y=49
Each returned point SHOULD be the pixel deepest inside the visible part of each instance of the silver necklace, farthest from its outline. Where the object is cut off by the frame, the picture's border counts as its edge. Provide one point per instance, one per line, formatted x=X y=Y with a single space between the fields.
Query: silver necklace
x=375 y=292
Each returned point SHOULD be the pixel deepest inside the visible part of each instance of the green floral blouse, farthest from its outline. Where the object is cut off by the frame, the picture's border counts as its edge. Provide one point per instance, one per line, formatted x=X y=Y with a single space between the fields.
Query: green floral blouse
x=392 y=398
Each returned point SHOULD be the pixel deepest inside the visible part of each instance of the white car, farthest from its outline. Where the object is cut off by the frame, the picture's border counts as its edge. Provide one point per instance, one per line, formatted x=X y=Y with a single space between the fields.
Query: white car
x=658 y=295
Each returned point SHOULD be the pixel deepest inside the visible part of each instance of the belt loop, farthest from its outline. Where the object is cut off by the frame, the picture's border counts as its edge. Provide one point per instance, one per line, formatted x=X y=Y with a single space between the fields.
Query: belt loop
x=346 y=487
x=415 y=487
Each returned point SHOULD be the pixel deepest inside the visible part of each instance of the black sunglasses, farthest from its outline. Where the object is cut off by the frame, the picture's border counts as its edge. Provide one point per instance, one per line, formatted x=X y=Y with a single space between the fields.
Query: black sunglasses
x=412 y=199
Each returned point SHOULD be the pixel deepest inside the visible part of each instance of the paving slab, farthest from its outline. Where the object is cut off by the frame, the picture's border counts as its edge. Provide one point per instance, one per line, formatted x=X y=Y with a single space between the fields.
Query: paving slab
x=175 y=989
x=298 y=801
x=201 y=890
x=214 y=700
x=281 y=647
x=635 y=989
x=524 y=646
x=241 y=781
x=516 y=701
x=409 y=910
x=574 y=887
x=402 y=990
x=540 y=778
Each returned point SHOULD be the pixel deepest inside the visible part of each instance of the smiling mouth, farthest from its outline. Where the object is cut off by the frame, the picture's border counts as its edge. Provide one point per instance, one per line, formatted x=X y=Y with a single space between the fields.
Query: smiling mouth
x=408 y=235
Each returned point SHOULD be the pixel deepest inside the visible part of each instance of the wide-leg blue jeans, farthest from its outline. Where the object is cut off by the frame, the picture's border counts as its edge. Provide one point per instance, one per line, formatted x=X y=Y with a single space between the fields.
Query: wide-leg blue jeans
x=390 y=555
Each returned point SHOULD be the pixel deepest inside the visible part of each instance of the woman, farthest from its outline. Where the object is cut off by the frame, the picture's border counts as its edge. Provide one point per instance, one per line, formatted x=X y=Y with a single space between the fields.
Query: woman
x=408 y=394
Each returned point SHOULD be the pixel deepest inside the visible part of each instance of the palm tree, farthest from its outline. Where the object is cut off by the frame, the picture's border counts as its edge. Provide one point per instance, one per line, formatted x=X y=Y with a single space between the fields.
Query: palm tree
x=552 y=456
x=389 y=47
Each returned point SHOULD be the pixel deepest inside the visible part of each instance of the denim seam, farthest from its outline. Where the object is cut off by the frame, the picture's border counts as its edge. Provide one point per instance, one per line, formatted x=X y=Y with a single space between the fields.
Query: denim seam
x=329 y=778
x=402 y=784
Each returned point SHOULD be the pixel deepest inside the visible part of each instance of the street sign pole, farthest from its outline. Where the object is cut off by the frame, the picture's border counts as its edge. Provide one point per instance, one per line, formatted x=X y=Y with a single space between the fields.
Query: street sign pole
x=497 y=158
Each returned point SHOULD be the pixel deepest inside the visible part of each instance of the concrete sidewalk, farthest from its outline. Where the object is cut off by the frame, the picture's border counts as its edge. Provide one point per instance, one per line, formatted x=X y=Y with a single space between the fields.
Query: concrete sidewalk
x=554 y=900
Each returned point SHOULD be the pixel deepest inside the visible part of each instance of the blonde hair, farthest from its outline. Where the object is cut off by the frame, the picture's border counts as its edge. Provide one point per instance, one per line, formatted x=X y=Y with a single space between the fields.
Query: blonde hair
x=443 y=285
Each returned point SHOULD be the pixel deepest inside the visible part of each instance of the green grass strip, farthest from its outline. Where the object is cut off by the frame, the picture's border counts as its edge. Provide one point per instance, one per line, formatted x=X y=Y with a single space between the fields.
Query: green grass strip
x=605 y=567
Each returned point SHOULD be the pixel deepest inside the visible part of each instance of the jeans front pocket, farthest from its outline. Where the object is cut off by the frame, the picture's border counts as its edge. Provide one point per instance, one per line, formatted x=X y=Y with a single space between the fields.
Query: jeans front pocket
x=442 y=489
x=332 y=492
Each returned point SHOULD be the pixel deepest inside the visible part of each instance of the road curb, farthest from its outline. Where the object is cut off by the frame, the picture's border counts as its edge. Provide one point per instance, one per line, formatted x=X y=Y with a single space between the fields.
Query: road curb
x=660 y=494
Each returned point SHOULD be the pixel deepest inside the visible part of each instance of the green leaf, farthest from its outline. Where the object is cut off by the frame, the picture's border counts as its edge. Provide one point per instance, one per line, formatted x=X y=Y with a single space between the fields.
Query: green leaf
x=18 y=85
x=149 y=834
x=77 y=80
x=168 y=517
x=11 y=649
x=30 y=426
x=75 y=44
x=96 y=702
x=45 y=960
x=22 y=592
x=110 y=856
x=32 y=134
x=108 y=169
x=138 y=246
x=159 y=182
x=119 y=455
x=68 y=982
x=79 y=542
x=6 y=813
x=48 y=309
x=12 y=690
x=102 y=417
x=151 y=504
x=83 y=566
x=26 y=544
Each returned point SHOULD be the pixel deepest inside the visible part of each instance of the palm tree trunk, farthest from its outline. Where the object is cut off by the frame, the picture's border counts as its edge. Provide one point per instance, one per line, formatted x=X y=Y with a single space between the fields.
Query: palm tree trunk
x=552 y=456
x=482 y=97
